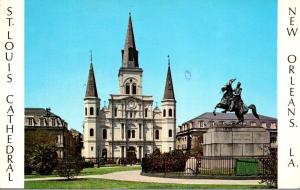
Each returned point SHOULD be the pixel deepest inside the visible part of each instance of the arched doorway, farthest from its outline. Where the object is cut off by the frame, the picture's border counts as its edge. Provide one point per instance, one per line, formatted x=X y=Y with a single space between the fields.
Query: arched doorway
x=131 y=155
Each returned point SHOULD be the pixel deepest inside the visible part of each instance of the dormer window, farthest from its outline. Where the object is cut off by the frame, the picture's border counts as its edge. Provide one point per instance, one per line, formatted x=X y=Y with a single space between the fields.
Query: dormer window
x=41 y=122
x=30 y=121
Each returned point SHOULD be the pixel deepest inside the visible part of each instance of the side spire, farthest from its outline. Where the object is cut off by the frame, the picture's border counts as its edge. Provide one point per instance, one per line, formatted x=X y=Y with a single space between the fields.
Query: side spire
x=91 y=88
x=169 y=90
x=129 y=53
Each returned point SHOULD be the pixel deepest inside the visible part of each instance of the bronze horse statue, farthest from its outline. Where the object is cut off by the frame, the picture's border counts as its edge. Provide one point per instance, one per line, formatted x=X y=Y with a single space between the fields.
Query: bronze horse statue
x=239 y=108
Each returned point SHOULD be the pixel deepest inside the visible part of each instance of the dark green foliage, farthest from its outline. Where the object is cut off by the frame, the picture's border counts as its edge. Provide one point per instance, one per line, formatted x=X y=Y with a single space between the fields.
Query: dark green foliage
x=28 y=169
x=167 y=162
x=69 y=167
x=269 y=175
x=44 y=159
x=40 y=152
x=88 y=164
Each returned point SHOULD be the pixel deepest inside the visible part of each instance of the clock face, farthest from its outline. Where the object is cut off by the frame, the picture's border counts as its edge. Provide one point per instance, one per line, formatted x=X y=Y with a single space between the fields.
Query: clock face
x=131 y=104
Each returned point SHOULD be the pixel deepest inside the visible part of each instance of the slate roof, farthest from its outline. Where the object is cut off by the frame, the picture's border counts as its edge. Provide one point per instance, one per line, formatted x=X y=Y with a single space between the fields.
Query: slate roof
x=230 y=116
x=91 y=87
x=169 y=90
x=38 y=112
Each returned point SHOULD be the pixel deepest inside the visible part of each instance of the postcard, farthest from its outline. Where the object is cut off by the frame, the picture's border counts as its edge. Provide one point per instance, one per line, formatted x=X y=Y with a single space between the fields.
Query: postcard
x=149 y=94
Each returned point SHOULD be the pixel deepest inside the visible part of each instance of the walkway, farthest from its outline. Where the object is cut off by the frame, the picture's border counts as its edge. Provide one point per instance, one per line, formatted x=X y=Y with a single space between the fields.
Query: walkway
x=135 y=176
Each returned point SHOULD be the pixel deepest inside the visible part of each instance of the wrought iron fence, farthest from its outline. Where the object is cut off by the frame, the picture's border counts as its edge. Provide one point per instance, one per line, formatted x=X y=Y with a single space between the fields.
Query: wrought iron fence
x=209 y=166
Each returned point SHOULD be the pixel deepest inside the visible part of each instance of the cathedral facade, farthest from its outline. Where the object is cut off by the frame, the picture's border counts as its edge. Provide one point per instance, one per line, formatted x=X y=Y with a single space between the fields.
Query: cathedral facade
x=129 y=124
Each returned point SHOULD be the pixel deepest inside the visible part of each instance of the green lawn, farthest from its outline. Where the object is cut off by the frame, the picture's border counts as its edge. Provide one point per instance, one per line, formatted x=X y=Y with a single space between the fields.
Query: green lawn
x=109 y=184
x=106 y=170
x=92 y=171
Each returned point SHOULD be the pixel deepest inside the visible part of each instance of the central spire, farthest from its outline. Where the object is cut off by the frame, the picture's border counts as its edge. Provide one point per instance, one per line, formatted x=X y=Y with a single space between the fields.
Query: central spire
x=129 y=53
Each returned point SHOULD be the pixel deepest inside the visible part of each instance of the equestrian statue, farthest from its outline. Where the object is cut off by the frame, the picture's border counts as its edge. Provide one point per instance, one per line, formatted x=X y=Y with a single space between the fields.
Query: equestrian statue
x=232 y=102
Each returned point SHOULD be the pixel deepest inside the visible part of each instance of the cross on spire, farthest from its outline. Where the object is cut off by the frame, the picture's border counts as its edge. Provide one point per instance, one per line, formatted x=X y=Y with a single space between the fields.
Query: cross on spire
x=91 y=87
x=169 y=90
x=91 y=54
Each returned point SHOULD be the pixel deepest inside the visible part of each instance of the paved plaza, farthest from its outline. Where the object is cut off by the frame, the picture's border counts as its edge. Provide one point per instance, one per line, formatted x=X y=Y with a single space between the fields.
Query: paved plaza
x=137 y=177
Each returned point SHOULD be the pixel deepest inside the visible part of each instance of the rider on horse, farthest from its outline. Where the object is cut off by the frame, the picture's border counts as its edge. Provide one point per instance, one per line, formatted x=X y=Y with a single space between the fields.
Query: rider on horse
x=236 y=98
x=227 y=89
x=232 y=102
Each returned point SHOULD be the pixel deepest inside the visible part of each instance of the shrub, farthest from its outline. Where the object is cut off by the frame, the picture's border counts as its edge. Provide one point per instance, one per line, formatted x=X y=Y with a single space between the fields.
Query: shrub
x=269 y=176
x=87 y=164
x=27 y=169
x=44 y=159
x=167 y=162
x=69 y=167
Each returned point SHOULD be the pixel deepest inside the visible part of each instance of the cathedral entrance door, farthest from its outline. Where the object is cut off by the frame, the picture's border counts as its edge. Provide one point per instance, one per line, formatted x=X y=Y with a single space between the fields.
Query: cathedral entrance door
x=131 y=155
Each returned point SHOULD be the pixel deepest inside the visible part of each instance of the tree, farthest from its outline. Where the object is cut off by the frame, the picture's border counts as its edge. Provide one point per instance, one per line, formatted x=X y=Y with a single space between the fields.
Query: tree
x=269 y=164
x=40 y=151
x=44 y=159
x=69 y=167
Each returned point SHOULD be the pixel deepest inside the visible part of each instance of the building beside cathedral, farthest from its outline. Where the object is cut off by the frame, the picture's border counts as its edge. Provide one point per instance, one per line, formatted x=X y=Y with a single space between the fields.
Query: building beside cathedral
x=130 y=125
x=189 y=135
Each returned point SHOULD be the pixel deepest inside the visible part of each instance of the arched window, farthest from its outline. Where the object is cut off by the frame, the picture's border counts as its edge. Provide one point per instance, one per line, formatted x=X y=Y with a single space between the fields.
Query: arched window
x=133 y=133
x=116 y=112
x=164 y=113
x=170 y=133
x=127 y=88
x=91 y=132
x=91 y=111
x=157 y=134
x=146 y=112
x=92 y=148
x=104 y=134
x=85 y=111
x=170 y=112
x=128 y=134
x=133 y=88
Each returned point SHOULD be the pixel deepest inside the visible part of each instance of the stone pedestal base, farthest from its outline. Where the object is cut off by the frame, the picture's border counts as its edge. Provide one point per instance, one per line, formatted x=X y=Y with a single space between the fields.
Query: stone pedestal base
x=236 y=141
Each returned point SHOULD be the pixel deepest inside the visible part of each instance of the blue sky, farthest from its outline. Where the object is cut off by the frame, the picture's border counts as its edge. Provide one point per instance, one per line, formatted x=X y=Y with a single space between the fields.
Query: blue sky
x=212 y=40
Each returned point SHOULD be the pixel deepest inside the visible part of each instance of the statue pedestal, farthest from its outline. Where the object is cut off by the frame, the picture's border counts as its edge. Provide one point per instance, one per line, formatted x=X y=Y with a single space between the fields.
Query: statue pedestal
x=236 y=141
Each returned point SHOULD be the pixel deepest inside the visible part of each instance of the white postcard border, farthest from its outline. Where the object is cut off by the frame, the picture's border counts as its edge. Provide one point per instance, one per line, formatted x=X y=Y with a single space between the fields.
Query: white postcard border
x=12 y=94
x=288 y=59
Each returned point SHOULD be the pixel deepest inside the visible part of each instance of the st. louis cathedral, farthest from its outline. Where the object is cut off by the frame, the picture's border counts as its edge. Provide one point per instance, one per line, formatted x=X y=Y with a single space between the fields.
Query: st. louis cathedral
x=130 y=124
